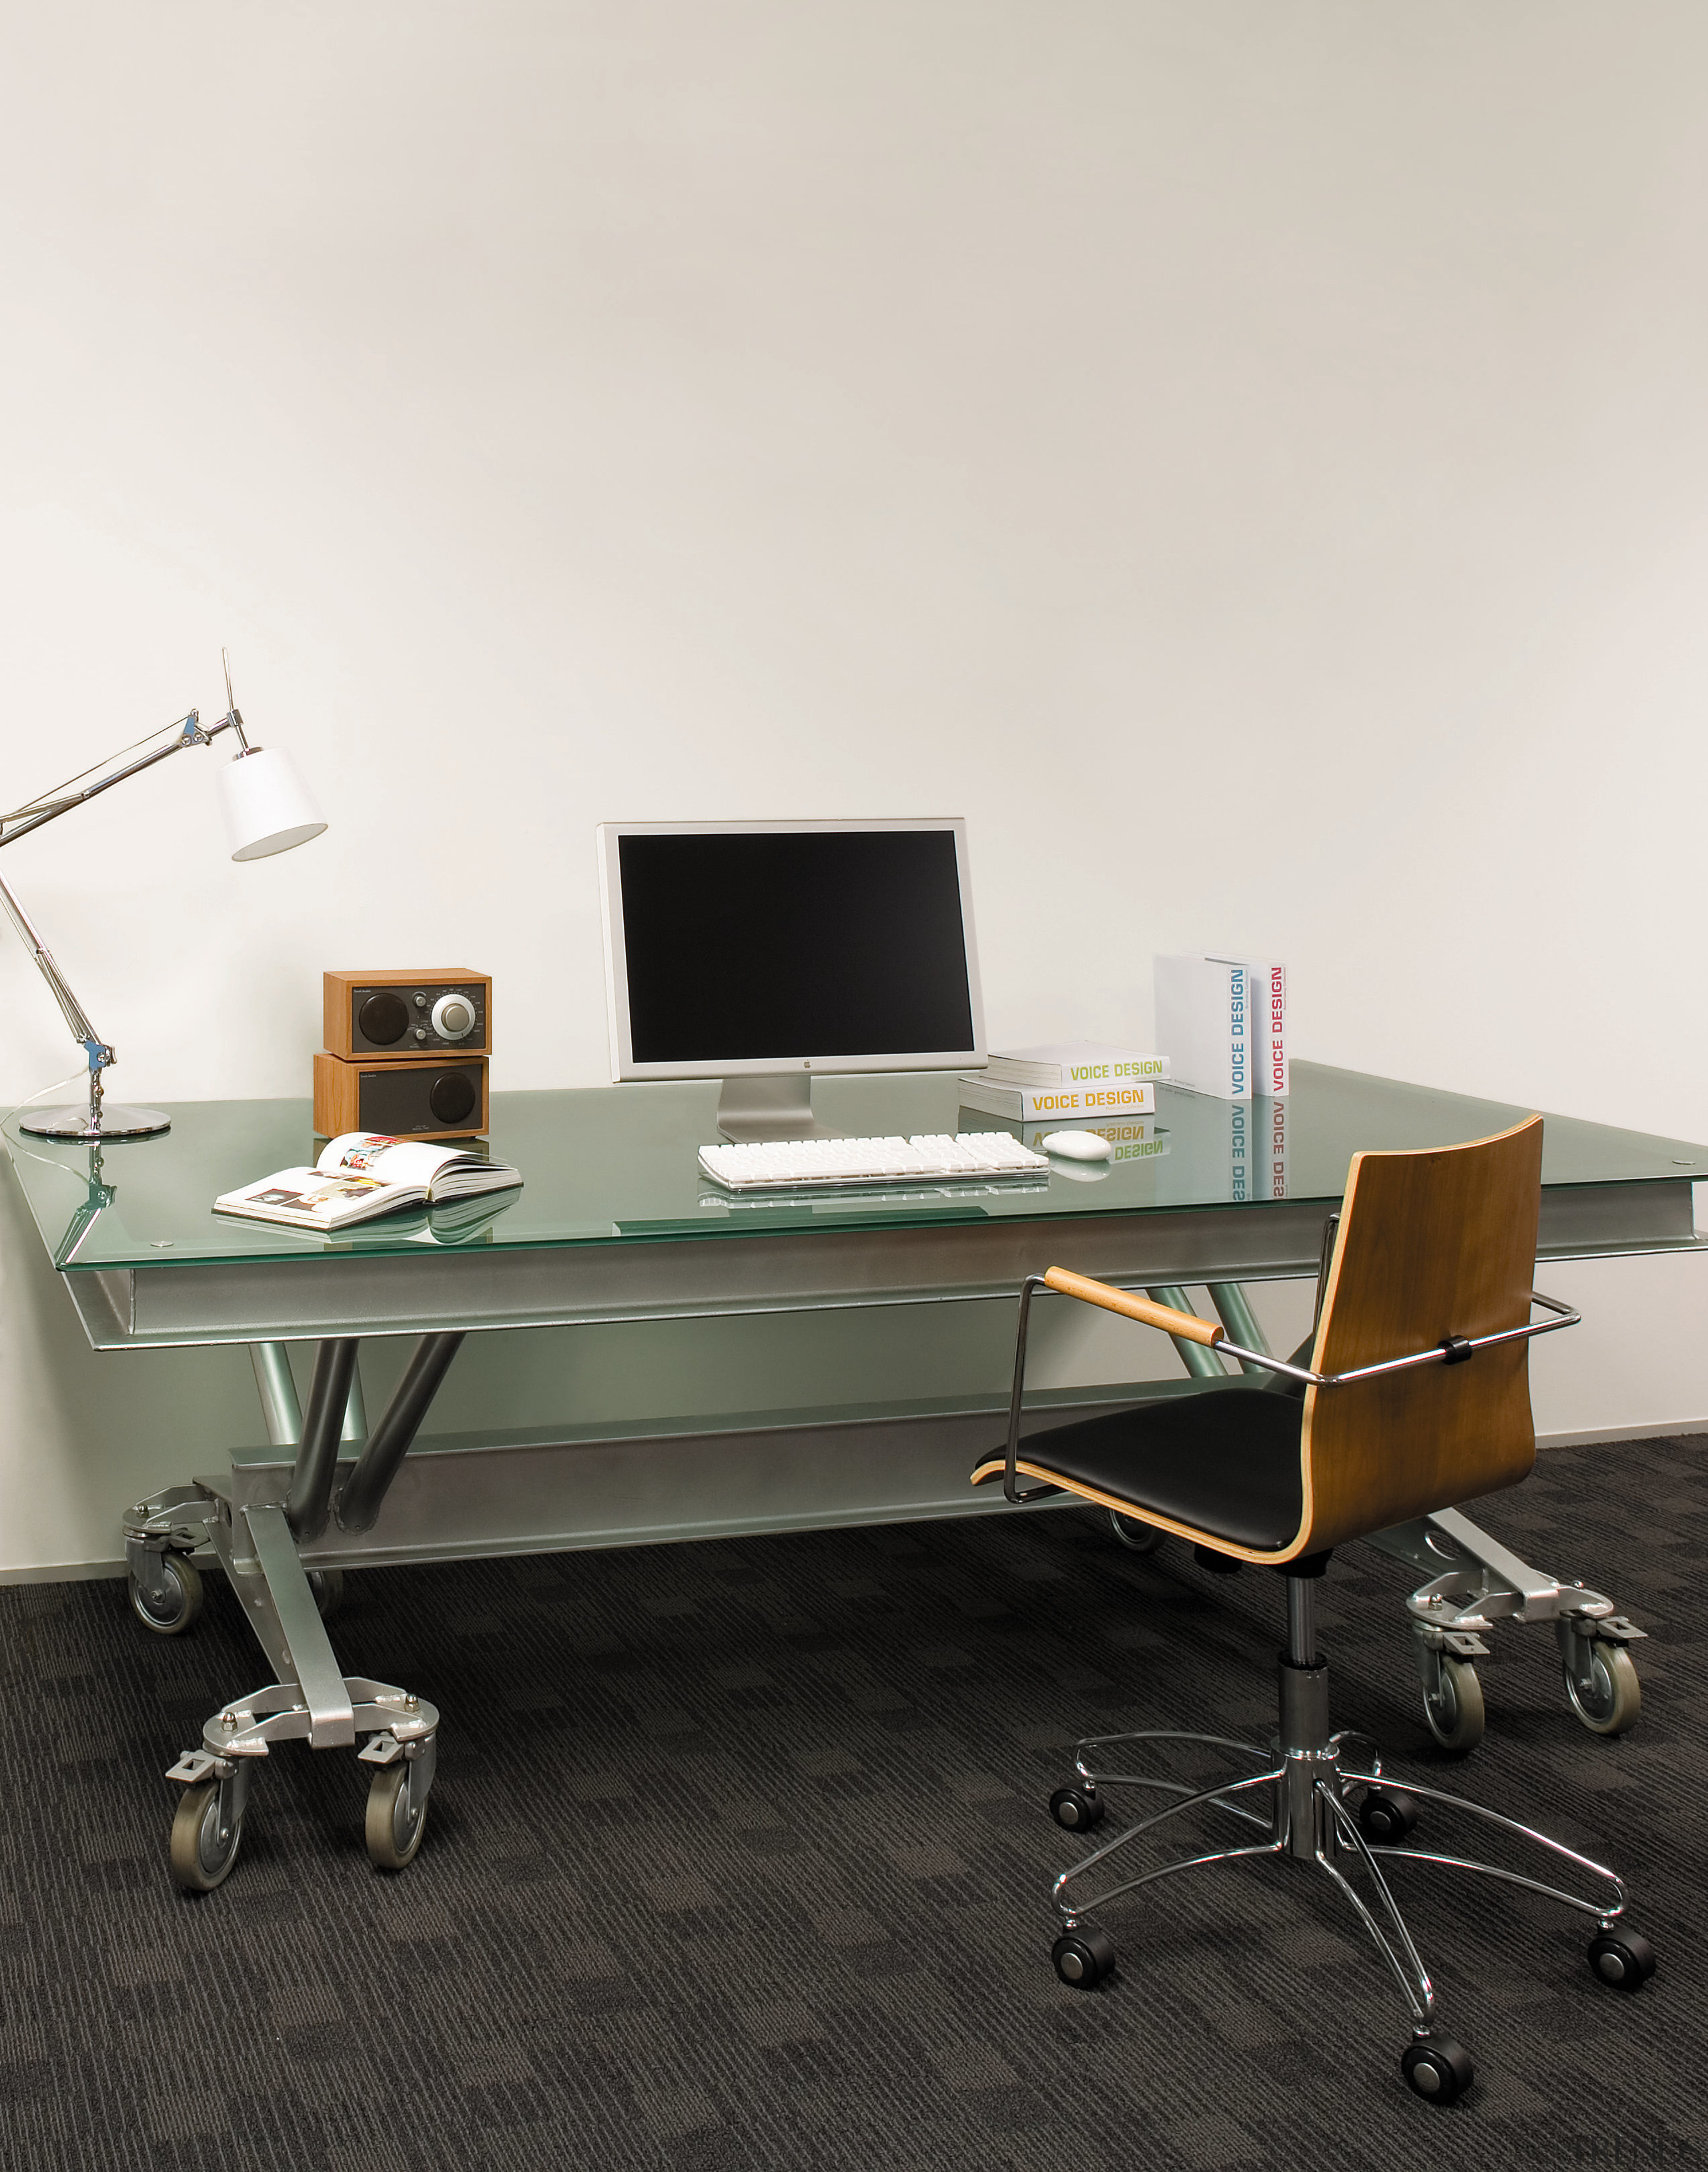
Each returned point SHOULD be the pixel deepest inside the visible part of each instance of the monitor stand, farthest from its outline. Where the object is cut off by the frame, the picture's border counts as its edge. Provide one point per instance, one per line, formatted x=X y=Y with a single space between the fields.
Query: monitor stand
x=779 y=1107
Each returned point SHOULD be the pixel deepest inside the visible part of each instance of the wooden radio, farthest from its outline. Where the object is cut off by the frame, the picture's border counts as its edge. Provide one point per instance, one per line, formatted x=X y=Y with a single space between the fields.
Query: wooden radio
x=381 y=1017
x=409 y=1097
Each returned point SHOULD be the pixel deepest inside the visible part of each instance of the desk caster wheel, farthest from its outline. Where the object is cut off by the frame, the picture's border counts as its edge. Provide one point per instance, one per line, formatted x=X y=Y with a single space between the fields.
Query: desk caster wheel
x=1077 y=1809
x=1624 y=1959
x=1139 y=1538
x=1083 y=1957
x=169 y=1613
x=327 y=1585
x=202 y=1852
x=1454 y=1710
x=1605 y=1694
x=1437 y=2069
x=396 y=1819
x=1386 y=1815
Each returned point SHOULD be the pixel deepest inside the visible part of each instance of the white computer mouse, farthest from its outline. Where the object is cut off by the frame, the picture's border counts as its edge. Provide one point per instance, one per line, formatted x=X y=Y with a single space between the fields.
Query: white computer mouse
x=1077 y=1145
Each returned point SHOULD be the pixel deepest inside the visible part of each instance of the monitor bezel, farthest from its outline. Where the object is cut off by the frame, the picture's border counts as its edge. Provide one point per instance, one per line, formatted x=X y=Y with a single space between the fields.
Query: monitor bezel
x=623 y=1064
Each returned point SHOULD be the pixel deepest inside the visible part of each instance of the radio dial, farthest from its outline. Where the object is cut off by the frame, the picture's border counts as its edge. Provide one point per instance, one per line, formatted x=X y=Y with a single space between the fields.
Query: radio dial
x=453 y=1017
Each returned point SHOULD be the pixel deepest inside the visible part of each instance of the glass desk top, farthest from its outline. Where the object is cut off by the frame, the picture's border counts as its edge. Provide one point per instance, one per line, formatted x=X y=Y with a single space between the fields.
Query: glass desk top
x=615 y=1164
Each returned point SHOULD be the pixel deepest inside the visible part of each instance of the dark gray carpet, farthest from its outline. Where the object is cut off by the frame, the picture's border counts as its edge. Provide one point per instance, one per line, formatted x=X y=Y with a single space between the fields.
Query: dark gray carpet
x=739 y=1859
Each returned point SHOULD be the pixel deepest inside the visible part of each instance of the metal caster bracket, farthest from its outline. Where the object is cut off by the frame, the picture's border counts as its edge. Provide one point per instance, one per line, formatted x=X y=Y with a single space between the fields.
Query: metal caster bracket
x=173 y=1521
x=406 y=1724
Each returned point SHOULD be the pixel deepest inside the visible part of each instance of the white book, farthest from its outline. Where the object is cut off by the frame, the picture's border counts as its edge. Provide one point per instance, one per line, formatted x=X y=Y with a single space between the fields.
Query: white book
x=1269 y=1016
x=1073 y=1063
x=1204 y=1008
x=363 y=1174
x=1060 y=1105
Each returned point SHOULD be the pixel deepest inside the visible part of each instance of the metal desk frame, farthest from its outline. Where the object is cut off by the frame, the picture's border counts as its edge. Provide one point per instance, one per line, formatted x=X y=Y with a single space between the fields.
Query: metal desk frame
x=286 y=1520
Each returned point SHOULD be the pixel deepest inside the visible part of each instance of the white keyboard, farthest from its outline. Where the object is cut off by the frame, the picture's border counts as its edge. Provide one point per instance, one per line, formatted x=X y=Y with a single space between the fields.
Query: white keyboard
x=783 y=1164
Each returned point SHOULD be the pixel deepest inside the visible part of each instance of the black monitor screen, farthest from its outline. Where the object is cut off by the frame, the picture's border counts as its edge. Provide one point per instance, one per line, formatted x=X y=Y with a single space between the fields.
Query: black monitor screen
x=794 y=944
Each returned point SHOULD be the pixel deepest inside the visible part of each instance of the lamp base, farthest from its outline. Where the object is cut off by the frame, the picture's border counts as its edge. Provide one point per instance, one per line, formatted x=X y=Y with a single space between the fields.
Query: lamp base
x=118 y=1122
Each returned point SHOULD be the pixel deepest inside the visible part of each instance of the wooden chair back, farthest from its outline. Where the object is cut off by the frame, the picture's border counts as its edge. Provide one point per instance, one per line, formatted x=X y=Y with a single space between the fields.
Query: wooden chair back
x=1433 y=1244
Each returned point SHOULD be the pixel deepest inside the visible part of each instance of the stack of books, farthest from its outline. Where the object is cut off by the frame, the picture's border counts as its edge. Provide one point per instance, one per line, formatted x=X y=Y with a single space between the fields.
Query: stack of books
x=1225 y=1021
x=1065 y=1081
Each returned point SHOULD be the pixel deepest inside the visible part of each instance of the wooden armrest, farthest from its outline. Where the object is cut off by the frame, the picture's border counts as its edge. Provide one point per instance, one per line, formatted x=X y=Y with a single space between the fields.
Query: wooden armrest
x=1136 y=1308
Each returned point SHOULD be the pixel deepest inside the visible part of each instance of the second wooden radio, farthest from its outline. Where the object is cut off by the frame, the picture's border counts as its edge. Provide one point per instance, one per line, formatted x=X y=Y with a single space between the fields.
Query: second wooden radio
x=410 y=1097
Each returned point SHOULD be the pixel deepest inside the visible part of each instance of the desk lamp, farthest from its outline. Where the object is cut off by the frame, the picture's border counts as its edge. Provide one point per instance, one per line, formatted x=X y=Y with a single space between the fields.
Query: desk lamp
x=267 y=809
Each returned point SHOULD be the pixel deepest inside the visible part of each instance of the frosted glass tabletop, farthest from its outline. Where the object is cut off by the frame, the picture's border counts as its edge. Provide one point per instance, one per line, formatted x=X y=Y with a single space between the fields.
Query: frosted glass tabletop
x=618 y=1165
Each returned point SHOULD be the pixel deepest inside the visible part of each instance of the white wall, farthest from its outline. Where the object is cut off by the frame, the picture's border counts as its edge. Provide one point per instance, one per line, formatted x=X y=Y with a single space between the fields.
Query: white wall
x=1248 y=458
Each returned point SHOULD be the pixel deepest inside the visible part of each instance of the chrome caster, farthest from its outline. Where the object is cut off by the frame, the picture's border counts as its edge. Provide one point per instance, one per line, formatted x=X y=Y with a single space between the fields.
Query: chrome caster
x=1454 y=1709
x=1083 y=1956
x=207 y=1832
x=1076 y=1808
x=1624 y=1959
x=1437 y=2069
x=1602 y=1686
x=397 y=1810
x=174 y=1602
x=1138 y=1538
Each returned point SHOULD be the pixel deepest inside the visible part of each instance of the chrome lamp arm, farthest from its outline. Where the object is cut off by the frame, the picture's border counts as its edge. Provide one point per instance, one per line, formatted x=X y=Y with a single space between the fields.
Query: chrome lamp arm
x=99 y=1052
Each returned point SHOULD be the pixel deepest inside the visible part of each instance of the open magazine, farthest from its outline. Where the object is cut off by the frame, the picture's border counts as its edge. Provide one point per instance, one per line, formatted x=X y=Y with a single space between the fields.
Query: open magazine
x=361 y=1174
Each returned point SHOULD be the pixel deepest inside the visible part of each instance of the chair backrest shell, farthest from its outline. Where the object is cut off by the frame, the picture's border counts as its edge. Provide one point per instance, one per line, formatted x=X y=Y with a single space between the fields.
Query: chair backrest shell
x=1432 y=1244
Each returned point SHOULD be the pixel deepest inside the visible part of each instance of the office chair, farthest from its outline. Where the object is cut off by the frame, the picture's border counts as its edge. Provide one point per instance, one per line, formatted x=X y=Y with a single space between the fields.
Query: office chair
x=1416 y=1397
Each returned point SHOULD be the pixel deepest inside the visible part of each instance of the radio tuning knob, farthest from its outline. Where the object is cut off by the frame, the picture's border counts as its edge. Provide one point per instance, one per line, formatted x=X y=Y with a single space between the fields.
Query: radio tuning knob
x=453 y=1017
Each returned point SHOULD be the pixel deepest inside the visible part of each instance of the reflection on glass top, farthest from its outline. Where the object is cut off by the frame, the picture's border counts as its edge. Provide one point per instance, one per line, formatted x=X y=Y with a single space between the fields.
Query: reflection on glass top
x=618 y=1164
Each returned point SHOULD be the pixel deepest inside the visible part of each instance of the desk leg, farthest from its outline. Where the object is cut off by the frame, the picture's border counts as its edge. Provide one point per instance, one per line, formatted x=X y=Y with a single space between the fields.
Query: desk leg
x=312 y=1700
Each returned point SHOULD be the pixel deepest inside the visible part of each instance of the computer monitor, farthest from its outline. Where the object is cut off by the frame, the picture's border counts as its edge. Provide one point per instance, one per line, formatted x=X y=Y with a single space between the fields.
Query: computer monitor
x=761 y=953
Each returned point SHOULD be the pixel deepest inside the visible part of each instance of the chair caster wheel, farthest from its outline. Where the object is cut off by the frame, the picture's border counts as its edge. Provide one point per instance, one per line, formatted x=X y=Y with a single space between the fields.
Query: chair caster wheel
x=1386 y=1815
x=1624 y=1959
x=1076 y=1808
x=1083 y=1957
x=1437 y=2069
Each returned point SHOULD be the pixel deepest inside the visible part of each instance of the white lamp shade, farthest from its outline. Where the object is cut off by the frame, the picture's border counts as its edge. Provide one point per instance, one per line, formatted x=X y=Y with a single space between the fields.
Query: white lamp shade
x=267 y=806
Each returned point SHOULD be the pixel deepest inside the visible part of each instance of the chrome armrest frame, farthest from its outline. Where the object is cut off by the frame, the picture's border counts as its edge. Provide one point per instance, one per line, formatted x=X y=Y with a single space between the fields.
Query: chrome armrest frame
x=1011 y=1486
x=1455 y=1350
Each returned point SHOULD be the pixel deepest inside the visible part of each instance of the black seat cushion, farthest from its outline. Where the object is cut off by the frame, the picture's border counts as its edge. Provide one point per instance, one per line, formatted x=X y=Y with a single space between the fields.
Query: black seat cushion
x=1224 y=1461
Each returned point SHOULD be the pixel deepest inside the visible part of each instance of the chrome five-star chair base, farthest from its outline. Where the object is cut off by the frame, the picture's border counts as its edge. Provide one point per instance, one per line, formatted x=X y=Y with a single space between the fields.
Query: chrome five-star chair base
x=1308 y=1801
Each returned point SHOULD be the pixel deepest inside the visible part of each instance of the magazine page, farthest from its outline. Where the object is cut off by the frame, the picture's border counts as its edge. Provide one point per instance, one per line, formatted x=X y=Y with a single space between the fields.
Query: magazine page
x=308 y=1199
x=440 y=1172
x=393 y=1161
